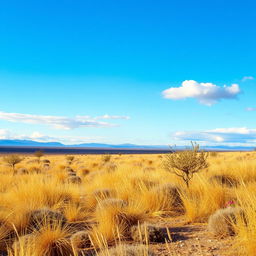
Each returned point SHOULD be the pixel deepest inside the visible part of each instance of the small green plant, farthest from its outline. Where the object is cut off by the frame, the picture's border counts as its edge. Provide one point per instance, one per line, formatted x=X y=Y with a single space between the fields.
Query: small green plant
x=39 y=154
x=12 y=160
x=185 y=164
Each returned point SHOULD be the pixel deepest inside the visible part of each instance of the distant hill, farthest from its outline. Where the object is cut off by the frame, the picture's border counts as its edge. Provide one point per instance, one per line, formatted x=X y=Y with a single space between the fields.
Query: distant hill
x=31 y=143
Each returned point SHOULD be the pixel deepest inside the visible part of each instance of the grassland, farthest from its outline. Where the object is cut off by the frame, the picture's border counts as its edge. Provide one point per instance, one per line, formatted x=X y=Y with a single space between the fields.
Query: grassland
x=126 y=205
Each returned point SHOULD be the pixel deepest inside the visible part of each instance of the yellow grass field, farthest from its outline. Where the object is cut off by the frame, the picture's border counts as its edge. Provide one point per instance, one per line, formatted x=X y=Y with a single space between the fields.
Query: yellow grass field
x=98 y=204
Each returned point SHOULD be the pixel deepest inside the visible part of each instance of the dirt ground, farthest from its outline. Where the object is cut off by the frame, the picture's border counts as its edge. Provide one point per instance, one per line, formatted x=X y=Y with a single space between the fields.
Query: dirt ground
x=191 y=240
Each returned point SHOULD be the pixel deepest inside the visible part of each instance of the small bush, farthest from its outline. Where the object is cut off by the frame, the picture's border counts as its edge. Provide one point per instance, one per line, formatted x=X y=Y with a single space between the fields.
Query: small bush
x=12 y=160
x=185 y=164
x=221 y=223
x=39 y=154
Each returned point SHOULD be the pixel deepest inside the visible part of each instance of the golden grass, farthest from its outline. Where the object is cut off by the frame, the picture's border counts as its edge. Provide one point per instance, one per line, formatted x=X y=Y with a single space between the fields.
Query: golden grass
x=132 y=178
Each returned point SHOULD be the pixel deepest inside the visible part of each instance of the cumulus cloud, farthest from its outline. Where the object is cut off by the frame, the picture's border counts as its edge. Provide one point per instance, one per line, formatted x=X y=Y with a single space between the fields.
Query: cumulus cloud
x=245 y=78
x=205 y=93
x=240 y=135
x=59 y=122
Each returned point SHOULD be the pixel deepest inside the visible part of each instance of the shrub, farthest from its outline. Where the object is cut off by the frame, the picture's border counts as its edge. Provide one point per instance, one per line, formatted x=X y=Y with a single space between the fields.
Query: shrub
x=12 y=160
x=221 y=223
x=39 y=154
x=70 y=159
x=185 y=164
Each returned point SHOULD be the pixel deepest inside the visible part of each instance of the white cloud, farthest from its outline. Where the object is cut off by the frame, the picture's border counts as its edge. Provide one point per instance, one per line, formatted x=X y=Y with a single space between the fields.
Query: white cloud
x=250 y=109
x=205 y=93
x=106 y=116
x=245 y=78
x=240 y=135
x=39 y=137
x=59 y=122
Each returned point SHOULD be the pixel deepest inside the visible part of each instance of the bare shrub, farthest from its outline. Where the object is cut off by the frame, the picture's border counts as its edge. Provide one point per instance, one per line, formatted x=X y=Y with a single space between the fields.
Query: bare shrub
x=12 y=160
x=39 y=154
x=70 y=159
x=185 y=164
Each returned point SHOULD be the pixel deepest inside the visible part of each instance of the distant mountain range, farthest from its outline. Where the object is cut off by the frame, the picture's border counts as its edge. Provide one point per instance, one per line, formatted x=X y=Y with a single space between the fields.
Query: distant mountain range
x=31 y=143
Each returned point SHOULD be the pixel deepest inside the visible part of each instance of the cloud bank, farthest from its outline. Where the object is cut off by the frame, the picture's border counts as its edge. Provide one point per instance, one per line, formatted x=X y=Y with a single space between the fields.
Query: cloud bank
x=241 y=135
x=205 y=93
x=39 y=137
x=245 y=78
x=60 y=122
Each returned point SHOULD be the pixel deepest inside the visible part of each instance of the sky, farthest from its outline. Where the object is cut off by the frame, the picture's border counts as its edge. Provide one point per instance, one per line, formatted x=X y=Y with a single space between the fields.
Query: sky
x=141 y=72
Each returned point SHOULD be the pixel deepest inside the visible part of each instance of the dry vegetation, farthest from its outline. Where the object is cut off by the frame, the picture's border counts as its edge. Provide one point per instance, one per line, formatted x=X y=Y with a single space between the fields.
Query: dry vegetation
x=126 y=205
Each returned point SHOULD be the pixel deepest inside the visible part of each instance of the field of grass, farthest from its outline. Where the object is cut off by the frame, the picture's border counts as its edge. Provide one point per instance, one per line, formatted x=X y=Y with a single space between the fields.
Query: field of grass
x=126 y=205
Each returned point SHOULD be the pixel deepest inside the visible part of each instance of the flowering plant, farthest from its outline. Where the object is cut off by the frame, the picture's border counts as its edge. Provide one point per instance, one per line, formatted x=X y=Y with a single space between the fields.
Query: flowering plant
x=230 y=203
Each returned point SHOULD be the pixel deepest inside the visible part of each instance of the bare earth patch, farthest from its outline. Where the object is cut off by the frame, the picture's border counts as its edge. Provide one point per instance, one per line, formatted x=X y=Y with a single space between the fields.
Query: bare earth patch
x=191 y=240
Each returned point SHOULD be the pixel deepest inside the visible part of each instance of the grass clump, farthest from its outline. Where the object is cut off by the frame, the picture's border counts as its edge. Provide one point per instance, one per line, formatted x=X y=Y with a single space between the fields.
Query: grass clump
x=222 y=222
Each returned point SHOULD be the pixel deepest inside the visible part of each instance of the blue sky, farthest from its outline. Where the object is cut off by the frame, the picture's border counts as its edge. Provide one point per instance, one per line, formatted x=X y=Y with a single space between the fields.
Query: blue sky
x=144 y=72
